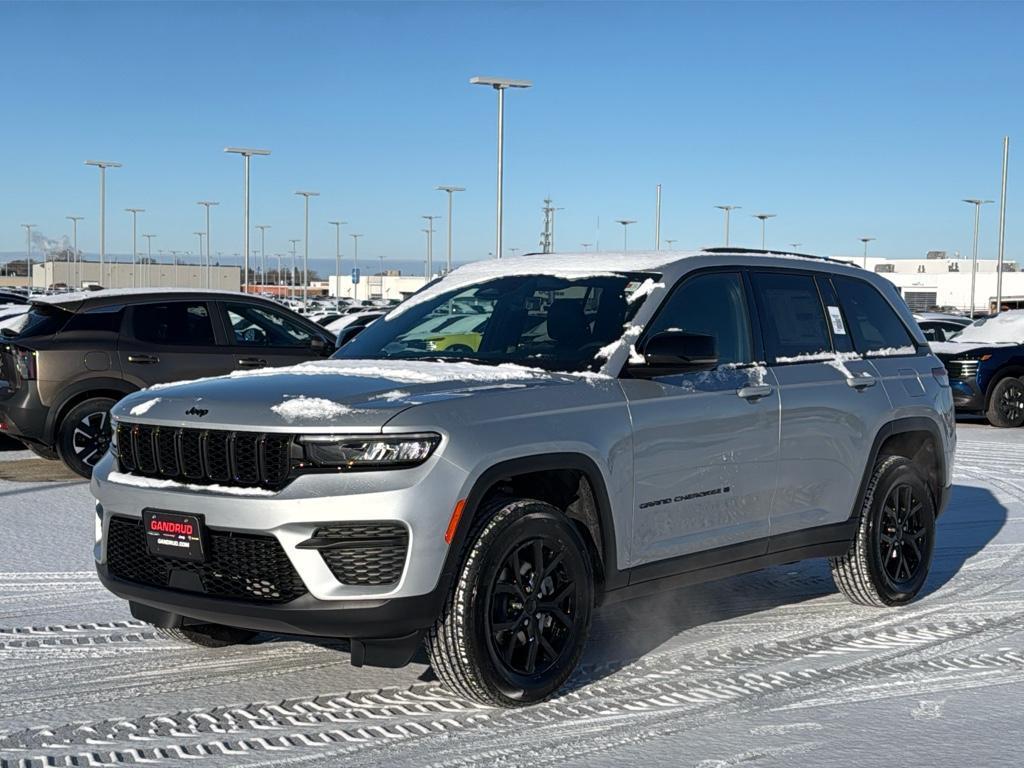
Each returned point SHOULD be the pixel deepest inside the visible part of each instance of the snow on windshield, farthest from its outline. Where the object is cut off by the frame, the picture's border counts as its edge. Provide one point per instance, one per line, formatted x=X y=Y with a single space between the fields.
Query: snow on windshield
x=1004 y=328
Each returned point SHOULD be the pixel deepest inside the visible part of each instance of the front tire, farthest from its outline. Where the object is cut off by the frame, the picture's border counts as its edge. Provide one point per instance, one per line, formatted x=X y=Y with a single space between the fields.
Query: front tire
x=1006 y=403
x=888 y=560
x=84 y=435
x=206 y=635
x=516 y=620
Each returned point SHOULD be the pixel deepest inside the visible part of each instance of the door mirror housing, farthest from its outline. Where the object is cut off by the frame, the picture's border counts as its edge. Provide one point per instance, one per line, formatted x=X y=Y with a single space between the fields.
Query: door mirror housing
x=680 y=352
x=317 y=344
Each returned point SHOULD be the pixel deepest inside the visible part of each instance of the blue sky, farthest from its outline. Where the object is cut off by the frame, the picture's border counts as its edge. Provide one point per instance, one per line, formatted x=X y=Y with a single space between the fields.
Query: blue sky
x=843 y=119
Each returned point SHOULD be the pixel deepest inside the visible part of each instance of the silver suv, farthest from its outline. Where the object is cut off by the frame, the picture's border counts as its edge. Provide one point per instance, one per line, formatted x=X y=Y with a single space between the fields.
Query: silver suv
x=613 y=425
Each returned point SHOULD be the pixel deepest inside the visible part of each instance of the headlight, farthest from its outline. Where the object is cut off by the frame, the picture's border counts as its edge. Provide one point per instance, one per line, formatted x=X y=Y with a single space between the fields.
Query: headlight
x=368 y=452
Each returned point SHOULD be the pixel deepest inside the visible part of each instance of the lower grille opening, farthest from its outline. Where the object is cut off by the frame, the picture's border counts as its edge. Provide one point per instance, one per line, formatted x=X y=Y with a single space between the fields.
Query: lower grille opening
x=238 y=566
x=365 y=554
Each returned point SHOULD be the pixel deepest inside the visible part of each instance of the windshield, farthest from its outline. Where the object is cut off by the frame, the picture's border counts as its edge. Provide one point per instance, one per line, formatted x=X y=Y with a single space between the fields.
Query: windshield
x=1006 y=327
x=535 y=320
x=39 y=320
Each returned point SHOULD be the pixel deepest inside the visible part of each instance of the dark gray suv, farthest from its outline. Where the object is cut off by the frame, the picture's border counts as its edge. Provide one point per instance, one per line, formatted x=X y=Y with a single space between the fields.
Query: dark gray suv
x=66 y=362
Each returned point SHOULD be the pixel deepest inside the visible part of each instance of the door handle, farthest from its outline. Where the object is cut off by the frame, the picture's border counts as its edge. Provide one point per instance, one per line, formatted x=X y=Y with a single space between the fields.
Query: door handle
x=252 y=362
x=754 y=392
x=143 y=359
x=861 y=382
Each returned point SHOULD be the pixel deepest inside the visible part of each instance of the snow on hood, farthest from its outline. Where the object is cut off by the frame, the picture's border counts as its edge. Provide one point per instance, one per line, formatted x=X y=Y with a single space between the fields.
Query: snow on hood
x=959 y=348
x=321 y=395
x=1004 y=328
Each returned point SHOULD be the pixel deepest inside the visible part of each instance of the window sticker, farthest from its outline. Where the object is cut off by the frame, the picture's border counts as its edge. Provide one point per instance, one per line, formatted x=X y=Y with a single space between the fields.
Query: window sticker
x=837 y=321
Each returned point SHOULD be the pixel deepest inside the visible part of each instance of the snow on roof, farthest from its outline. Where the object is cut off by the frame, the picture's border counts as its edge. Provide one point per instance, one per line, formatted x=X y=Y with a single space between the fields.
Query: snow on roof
x=571 y=266
x=1006 y=328
x=69 y=298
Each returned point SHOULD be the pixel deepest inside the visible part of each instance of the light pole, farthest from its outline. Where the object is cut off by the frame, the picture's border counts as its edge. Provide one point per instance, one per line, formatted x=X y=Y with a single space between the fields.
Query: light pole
x=28 y=257
x=337 y=250
x=977 y=203
x=177 y=279
x=657 y=220
x=450 y=190
x=763 y=217
x=866 y=240
x=149 y=258
x=246 y=154
x=381 y=276
x=103 y=165
x=355 y=263
x=625 y=228
x=426 y=272
x=135 y=248
x=670 y=244
x=585 y=246
x=263 y=249
x=794 y=246
x=208 y=267
x=1002 y=227
x=74 y=239
x=430 y=244
x=500 y=84
x=207 y=205
x=293 y=241
x=305 y=253
x=728 y=209
x=279 y=270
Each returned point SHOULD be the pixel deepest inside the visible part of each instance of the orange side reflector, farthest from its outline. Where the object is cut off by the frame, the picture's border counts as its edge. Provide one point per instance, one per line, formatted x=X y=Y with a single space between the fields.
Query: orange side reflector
x=453 y=524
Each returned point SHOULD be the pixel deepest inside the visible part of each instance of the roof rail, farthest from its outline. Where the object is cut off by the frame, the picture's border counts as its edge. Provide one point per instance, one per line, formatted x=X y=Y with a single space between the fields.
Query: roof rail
x=763 y=252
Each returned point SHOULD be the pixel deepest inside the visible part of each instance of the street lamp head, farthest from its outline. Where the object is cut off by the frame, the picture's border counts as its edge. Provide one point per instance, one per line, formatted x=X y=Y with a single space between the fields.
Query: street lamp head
x=867 y=239
x=103 y=163
x=976 y=201
x=729 y=207
x=500 y=82
x=247 y=151
x=74 y=218
x=135 y=210
x=625 y=222
x=447 y=188
x=308 y=195
x=763 y=216
x=207 y=203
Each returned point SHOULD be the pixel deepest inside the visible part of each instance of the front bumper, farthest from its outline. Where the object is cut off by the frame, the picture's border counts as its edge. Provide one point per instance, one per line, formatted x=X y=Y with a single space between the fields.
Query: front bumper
x=967 y=396
x=420 y=498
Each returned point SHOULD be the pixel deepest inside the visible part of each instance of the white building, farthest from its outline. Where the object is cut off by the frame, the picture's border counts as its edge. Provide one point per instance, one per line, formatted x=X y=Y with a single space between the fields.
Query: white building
x=58 y=273
x=941 y=281
x=391 y=285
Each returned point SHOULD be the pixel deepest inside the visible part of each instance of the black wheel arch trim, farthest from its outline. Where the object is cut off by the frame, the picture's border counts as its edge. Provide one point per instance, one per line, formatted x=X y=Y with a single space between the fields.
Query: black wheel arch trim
x=492 y=476
x=898 y=427
x=98 y=387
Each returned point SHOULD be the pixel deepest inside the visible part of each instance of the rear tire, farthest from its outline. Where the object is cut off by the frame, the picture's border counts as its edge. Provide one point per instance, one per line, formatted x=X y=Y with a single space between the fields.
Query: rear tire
x=516 y=620
x=888 y=560
x=84 y=434
x=207 y=635
x=1006 y=403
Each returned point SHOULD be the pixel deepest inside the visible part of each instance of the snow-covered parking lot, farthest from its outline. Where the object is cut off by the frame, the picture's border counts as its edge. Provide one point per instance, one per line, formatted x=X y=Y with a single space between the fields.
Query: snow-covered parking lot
x=770 y=669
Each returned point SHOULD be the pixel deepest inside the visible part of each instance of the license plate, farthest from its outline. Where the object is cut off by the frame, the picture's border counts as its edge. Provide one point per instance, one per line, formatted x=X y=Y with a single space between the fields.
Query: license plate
x=174 y=535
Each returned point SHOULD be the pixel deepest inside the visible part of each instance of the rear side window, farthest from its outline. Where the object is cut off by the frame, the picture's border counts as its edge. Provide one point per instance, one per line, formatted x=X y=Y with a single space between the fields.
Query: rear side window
x=174 y=323
x=99 y=320
x=792 y=318
x=874 y=324
x=712 y=304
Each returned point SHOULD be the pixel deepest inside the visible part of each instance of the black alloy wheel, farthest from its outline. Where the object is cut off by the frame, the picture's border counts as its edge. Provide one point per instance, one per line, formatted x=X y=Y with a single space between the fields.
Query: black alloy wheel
x=532 y=608
x=903 y=544
x=84 y=435
x=1006 y=403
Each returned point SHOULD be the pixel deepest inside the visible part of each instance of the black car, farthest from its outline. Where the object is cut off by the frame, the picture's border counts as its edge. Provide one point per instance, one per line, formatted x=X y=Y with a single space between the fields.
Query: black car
x=66 y=362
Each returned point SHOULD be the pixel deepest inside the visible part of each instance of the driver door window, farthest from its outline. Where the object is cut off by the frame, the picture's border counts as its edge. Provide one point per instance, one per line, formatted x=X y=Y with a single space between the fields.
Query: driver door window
x=252 y=326
x=715 y=305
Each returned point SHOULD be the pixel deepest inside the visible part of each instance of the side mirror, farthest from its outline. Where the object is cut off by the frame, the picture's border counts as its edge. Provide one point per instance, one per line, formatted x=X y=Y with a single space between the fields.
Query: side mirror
x=317 y=344
x=680 y=352
x=347 y=334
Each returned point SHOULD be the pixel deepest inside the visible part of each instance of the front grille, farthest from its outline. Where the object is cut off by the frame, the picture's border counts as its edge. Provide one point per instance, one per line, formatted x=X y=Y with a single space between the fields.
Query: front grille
x=238 y=566
x=204 y=456
x=368 y=554
x=965 y=370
